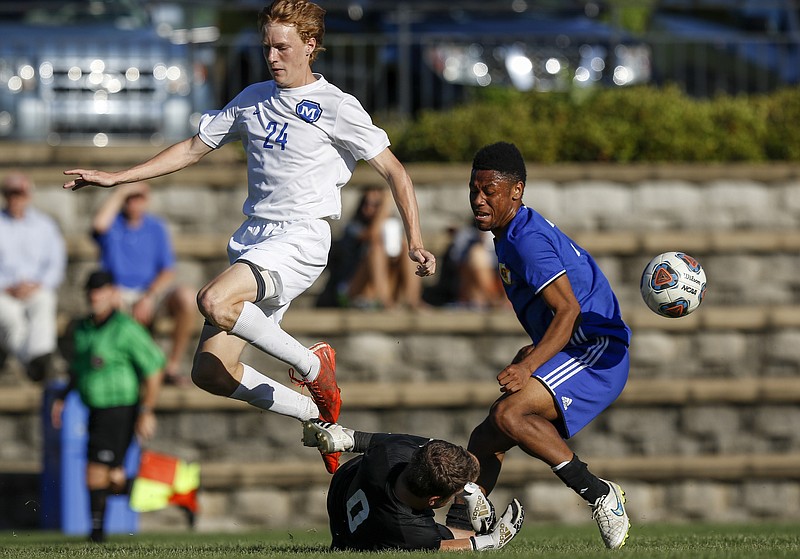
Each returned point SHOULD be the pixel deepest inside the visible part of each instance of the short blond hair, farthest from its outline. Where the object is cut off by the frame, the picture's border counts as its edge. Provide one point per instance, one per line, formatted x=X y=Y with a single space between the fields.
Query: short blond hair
x=306 y=17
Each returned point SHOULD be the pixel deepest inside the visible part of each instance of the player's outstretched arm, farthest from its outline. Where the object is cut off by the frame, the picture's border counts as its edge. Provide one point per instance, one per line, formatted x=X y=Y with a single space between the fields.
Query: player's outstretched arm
x=174 y=158
x=393 y=172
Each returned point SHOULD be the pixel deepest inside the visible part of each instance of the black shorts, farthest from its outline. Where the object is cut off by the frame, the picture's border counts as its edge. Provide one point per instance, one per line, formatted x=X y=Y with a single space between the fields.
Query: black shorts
x=110 y=434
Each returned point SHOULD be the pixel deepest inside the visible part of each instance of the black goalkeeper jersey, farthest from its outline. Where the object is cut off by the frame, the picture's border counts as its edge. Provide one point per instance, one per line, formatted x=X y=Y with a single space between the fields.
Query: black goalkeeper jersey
x=364 y=512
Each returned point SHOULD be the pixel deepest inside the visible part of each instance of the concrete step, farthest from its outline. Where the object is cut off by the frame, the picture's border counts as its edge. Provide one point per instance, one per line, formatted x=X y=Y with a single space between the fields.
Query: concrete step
x=49 y=161
x=327 y=322
x=210 y=246
x=517 y=471
x=473 y=394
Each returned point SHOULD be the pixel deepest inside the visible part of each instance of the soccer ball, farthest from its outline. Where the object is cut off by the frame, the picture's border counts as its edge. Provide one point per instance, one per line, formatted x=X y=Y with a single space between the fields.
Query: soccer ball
x=673 y=284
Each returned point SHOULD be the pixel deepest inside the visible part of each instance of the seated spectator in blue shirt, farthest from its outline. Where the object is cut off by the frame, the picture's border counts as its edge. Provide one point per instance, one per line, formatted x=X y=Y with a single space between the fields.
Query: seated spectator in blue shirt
x=32 y=262
x=135 y=247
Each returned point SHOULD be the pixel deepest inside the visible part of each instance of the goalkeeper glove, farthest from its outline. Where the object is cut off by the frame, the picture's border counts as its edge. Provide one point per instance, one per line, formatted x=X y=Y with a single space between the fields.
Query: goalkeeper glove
x=479 y=508
x=505 y=530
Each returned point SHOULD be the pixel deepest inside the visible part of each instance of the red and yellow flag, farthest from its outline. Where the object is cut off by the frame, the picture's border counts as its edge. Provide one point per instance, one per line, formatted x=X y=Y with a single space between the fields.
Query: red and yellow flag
x=165 y=480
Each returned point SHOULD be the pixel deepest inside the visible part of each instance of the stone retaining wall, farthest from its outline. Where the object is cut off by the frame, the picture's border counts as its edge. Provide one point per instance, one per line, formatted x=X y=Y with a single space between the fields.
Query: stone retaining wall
x=735 y=202
x=682 y=203
x=701 y=452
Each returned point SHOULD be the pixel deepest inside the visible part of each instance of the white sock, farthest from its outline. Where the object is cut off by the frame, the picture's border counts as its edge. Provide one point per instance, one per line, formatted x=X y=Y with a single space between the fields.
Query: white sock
x=262 y=392
x=264 y=333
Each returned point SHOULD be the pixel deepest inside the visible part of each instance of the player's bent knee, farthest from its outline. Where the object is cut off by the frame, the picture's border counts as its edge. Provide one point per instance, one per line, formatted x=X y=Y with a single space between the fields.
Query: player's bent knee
x=502 y=421
x=204 y=301
x=213 y=305
x=506 y=418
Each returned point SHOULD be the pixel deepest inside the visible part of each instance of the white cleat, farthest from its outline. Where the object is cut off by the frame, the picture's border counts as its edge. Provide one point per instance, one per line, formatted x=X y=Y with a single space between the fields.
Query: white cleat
x=327 y=437
x=609 y=513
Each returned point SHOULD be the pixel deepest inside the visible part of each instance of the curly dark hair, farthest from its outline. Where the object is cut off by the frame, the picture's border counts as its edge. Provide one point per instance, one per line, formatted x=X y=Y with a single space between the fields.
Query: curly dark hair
x=440 y=469
x=502 y=157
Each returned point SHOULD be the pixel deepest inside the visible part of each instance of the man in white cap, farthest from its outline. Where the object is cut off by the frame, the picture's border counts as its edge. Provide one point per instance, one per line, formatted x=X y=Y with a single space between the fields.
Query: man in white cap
x=32 y=262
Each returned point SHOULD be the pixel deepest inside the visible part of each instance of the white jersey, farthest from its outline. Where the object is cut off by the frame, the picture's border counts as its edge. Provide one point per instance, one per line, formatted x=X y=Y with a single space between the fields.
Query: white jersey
x=302 y=145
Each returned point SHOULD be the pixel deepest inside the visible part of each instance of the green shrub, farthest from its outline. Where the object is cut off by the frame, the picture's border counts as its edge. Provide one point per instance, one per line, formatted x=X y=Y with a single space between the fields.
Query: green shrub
x=782 y=117
x=637 y=124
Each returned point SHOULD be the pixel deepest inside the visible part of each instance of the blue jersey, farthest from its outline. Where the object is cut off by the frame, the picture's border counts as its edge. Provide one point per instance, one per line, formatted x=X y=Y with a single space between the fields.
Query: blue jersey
x=532 y=253
x=135 y=256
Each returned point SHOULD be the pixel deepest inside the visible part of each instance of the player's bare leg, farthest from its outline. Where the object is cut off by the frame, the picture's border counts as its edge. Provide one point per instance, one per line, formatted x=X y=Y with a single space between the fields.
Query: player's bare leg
x=527 y=417
x=218 y=370
x=489 y=446
x=216 y=367
x=222 y=299
x=229 y=303
x=226 y=302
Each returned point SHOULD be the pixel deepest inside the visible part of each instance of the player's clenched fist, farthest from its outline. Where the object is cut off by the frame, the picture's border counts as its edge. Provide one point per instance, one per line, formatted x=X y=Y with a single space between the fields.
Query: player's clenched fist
x=426 y=262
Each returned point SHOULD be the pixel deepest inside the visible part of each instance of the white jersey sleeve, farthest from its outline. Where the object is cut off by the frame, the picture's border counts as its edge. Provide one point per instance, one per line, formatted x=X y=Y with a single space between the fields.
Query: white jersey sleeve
x=302 y=146
x=355 y=131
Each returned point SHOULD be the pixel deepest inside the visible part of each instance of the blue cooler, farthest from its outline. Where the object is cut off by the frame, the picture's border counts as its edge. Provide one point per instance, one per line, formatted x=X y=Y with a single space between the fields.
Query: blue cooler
x=65 y=498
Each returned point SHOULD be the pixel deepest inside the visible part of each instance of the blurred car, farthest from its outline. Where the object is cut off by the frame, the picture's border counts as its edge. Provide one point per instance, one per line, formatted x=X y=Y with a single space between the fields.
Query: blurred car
x=541 y=45
x=94 y=71
x=416 y=54
x=730 y=46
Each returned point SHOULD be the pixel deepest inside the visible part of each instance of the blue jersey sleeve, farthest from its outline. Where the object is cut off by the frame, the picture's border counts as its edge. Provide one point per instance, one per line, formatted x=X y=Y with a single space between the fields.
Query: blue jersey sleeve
x=537 y=261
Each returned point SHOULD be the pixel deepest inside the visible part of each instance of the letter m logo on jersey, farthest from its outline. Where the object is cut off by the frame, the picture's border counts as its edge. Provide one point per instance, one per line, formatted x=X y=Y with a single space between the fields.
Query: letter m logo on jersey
x=308 y=110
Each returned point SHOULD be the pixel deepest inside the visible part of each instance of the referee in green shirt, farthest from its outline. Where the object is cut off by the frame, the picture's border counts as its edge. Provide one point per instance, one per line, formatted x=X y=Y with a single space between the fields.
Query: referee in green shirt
x=116 y=367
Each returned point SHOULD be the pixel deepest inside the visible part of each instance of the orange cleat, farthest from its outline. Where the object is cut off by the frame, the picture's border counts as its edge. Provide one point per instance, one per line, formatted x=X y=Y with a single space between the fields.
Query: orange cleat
x=331 y=461
x=325 y=393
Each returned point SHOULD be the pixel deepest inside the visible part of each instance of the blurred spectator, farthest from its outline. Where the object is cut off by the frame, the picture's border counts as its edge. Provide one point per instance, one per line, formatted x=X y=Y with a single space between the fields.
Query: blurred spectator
x=368 y=264
x=136 y=248
x=32 y=263
x=116 y=370
x=469 y=276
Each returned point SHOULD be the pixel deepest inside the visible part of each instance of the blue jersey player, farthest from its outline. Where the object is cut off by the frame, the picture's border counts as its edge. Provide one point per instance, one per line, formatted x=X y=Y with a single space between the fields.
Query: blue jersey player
x=577 y=363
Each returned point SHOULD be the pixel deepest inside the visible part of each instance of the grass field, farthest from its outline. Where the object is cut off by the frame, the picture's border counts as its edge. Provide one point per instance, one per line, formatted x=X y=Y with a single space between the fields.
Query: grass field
x=695 y=541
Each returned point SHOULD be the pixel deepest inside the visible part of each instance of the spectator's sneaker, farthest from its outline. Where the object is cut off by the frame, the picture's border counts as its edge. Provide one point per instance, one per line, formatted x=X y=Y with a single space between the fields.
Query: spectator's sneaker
x=327 y=437
x=325 y=393
x=609 y=513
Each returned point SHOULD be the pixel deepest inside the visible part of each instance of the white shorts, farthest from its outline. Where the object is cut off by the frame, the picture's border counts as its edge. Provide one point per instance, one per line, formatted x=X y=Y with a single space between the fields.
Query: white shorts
x=296 y=250
x=129 y=296
x=28 y=327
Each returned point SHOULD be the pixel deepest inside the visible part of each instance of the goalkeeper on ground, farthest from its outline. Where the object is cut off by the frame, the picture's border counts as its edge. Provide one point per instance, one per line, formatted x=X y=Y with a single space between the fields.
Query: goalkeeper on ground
x=385 y=498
